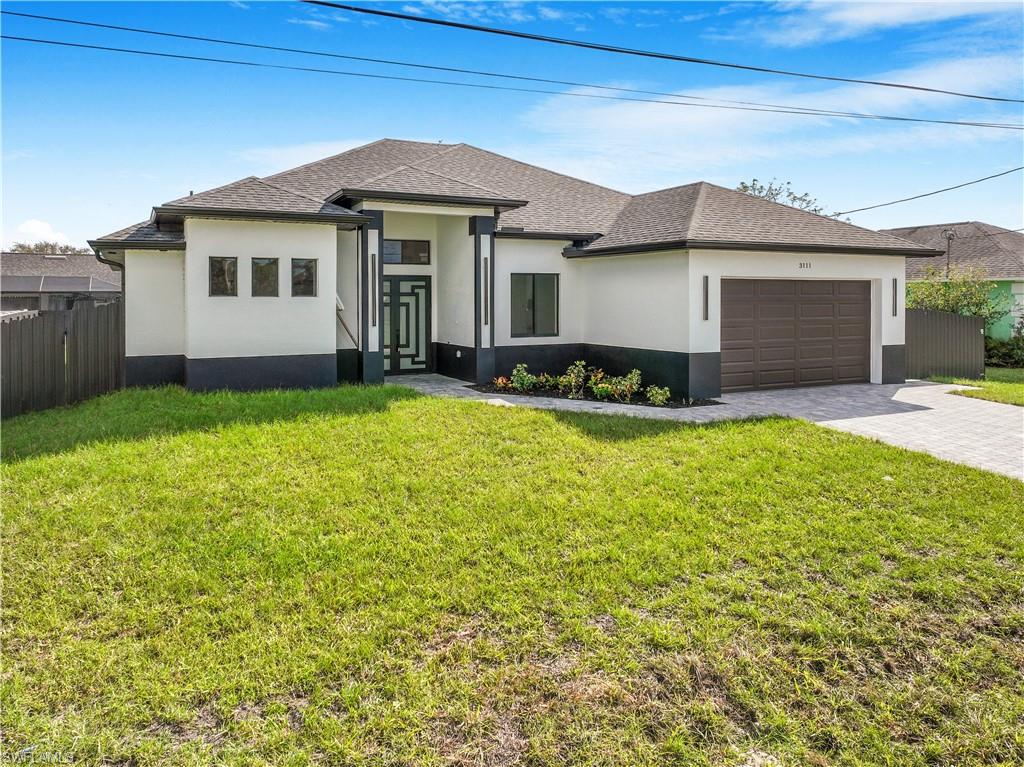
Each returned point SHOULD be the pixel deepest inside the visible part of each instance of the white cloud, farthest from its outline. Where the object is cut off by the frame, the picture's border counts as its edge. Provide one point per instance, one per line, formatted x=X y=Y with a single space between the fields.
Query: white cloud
x=311 y=23
x=272 y=159
x=638 y=146
x=34 y=230
x=799 y=24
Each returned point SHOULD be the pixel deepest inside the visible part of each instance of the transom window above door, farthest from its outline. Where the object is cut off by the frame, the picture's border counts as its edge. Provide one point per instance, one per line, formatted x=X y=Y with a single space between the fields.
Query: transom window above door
x=416 y=252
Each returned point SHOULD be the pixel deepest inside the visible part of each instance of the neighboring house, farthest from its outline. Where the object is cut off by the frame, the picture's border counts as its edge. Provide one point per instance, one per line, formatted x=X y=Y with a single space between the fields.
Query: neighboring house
x=453 y=259
x=997 y=251
x=47 y=282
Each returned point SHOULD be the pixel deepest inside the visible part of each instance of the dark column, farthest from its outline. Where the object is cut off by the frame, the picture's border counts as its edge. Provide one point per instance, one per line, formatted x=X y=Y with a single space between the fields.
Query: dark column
x=371 y=278
x=481 y=229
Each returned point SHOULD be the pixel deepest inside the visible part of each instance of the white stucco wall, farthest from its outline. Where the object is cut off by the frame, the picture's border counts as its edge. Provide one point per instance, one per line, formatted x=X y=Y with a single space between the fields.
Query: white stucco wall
x=636 y=301
x=454 y=292
x=154 y=299
x=886 y=329
x=514 y=256
x=247 y=326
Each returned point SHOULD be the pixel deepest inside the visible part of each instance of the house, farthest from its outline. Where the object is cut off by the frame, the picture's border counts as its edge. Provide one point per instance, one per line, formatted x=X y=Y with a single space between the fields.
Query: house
x=47 y=282
x=975 y=245
x=401 y=256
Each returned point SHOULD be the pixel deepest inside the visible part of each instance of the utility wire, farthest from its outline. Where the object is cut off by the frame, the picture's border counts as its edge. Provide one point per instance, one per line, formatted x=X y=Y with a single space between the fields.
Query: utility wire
x=929 y=194
x=484 y=86
x=484 y=73
x=643 y=53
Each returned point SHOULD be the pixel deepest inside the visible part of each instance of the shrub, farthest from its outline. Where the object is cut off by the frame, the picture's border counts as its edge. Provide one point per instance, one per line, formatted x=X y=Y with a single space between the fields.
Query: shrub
x=658 y=395
x=523 y=380
x=620 y=388
x=1006 y=354
x=502 y=383
x=964 y=291
x=573 y=382
x=547 y=381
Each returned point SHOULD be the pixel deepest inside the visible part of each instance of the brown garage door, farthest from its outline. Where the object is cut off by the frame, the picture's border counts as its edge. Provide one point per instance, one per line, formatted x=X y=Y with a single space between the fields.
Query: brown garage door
x=779 y=333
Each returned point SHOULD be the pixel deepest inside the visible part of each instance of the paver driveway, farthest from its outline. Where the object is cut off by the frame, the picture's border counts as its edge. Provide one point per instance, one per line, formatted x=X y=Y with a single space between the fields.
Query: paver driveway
x=916 y=415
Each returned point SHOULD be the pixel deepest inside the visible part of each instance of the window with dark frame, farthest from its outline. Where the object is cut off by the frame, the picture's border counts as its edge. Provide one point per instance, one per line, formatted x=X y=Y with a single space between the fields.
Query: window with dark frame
x=303 y=276
x=415 y=252
x=223 y=276
x=534 y=305
x=264 y=276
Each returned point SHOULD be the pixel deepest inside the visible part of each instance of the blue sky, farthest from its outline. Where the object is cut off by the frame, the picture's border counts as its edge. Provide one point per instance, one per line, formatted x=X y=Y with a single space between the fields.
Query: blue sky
x=91 y=140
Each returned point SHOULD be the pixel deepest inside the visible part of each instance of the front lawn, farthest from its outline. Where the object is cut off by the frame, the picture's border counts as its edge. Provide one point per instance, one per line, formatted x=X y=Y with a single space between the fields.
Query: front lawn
x=367 y=576
x=999 y=385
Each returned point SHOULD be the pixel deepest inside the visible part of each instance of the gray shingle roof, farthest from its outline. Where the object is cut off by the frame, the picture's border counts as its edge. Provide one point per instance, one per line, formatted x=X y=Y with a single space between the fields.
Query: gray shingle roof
x=706 y=213
x=408 y=179
x=1000 y=252
x=556 y=203
x=255 y=195
x=144 y=233
x=60 y=267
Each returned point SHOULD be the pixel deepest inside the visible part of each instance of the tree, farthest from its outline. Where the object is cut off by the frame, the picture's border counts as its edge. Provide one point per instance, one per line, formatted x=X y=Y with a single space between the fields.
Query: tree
x=964 y=291
x=46 y=247
x=782 y=192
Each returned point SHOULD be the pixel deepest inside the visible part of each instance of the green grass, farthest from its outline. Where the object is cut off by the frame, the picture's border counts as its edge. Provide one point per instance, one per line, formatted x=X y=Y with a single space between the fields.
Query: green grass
x=999 y=385
x=366 y=576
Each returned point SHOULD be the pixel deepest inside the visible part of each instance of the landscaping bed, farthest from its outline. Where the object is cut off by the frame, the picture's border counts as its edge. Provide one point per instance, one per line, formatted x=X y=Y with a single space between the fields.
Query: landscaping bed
x=554 y=392
x=583 y=382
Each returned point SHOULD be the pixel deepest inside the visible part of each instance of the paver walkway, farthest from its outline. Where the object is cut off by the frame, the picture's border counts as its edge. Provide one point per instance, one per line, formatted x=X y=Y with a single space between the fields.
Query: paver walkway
x=916 y=415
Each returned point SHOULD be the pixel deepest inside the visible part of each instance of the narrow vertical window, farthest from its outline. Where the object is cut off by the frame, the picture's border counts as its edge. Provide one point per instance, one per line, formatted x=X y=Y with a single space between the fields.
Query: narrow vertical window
x=303 y=276
x=264 y=276
x=223 y=276
x=534 y=305
x=705 y=296
x=895 y=287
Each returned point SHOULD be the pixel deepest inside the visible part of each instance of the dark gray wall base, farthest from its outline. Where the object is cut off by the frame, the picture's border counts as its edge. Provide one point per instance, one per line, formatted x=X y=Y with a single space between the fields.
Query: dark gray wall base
x=348 y=365
x=371 y=367
x=156 y=370
x=705 y=375
x=297 y=371
x=455 y=361
x=484 y=365
x=894 y=364
x=697 y=375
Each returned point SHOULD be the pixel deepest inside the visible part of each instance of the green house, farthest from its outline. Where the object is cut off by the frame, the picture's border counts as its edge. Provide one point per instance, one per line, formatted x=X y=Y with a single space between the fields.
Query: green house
x=976 y=245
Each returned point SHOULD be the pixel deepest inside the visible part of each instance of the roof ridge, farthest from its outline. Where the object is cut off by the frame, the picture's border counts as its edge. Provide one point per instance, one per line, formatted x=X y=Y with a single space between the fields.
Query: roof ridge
x=546 y=170
x=349 y=151
x=303 y=195
x=812 y=213
x=697 y=206
x=212 y=189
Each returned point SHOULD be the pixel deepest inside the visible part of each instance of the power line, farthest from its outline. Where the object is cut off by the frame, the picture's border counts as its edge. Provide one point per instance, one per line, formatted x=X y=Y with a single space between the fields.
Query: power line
x=643 y=53
x=484 y=86
x=484 y=73
x=929 y=194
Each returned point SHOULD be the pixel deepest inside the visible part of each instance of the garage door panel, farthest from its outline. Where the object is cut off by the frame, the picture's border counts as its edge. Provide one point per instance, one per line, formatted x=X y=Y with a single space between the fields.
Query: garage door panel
x=782 y=333
x=775 y=311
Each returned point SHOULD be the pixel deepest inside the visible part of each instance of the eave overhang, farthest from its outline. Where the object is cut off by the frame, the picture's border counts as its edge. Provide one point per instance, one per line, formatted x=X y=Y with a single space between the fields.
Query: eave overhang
x=177 y=212
x=351 y=196
x=748 y=246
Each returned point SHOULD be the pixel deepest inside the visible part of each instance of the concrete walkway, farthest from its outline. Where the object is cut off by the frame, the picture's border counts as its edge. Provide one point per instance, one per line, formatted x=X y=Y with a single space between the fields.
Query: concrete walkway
x=916 y=415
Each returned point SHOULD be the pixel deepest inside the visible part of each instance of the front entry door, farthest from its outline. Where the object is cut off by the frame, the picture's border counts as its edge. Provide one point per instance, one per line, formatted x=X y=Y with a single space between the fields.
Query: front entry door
x=407 y=335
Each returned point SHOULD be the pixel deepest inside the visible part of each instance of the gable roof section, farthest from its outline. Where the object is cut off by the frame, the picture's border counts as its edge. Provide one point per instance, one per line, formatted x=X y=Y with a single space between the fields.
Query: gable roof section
x=999 y=251
x=706 y=215
x=414 y=182
x=554 y=202
x=255 y=196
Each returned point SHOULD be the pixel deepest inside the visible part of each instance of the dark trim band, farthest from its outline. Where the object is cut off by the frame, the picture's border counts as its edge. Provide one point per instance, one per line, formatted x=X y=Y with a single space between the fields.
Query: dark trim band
x=746 y=246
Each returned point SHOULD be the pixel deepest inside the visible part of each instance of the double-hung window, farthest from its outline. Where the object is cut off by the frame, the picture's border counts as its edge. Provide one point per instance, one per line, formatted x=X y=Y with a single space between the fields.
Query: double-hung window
x=534 y=305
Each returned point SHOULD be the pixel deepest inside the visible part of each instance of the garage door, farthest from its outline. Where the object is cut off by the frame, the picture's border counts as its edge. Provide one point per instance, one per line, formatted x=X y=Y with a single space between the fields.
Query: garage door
x=779 y=333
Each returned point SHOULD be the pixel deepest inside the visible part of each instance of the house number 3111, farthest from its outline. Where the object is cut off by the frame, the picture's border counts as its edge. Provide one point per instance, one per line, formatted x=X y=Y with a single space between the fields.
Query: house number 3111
x=805 y=264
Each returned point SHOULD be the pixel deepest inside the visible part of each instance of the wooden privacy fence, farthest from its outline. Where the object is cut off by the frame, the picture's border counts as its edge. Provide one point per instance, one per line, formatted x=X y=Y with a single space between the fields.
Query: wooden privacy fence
x=57 y=358
x=944 y=344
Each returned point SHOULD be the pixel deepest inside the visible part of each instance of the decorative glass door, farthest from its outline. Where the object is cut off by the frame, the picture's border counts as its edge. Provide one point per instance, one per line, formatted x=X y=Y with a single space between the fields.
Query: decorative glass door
x=407 y=335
